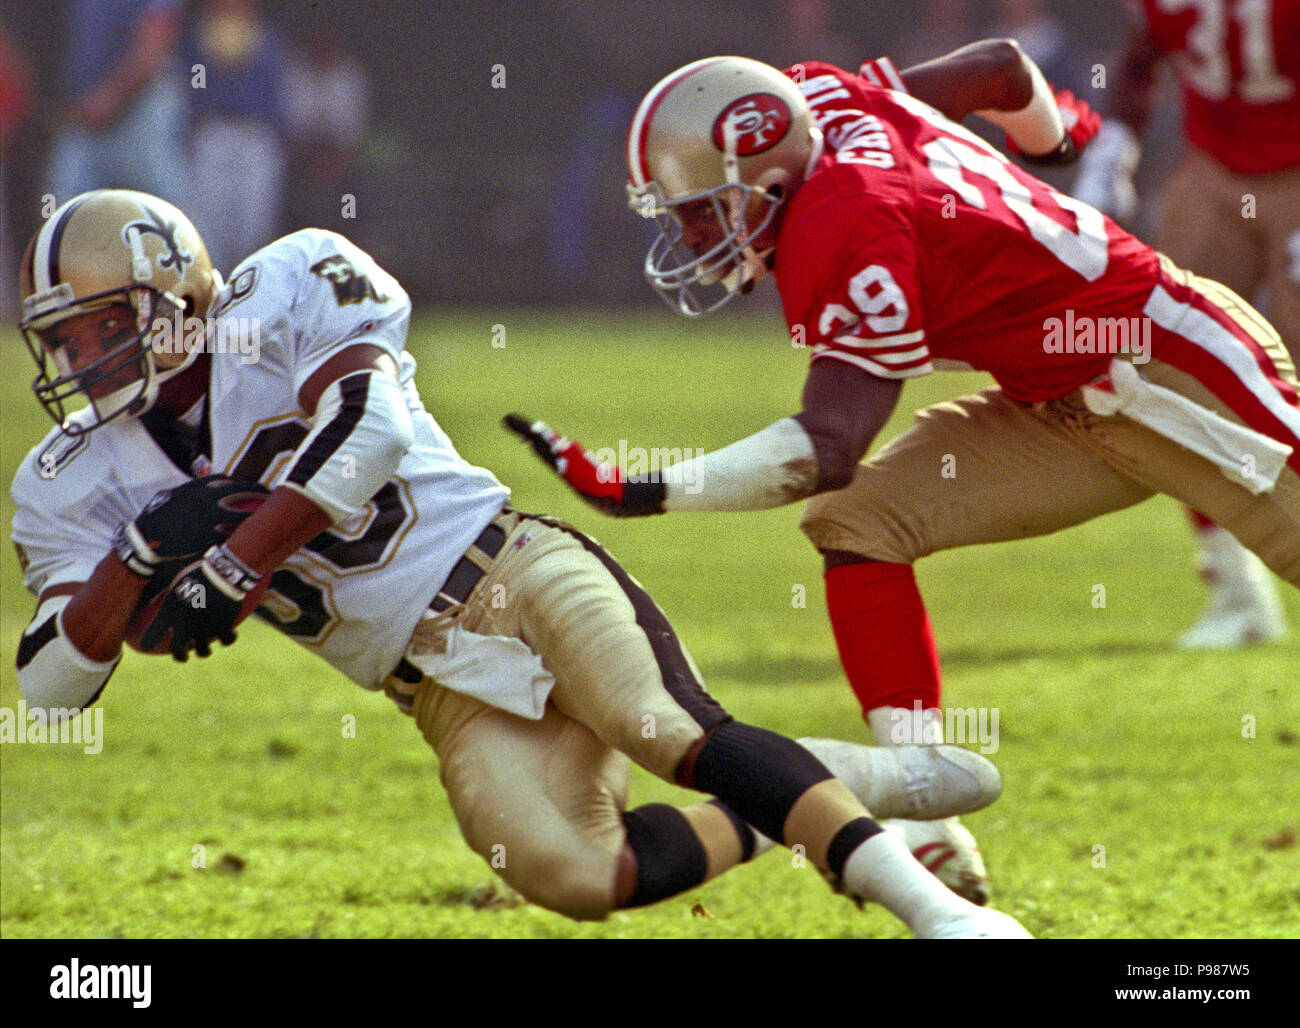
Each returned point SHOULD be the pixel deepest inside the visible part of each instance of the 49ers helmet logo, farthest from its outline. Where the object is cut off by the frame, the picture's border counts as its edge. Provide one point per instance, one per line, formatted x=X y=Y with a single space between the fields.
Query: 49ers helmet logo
x=760 y=121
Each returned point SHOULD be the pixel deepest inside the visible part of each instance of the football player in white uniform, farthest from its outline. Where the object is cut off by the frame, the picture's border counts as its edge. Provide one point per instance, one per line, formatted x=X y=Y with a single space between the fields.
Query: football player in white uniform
x=529 y=659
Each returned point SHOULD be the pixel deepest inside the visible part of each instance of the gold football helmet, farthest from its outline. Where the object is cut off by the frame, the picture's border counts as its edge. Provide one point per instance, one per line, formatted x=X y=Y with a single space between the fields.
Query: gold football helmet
x=100 y=249
x=713 y=151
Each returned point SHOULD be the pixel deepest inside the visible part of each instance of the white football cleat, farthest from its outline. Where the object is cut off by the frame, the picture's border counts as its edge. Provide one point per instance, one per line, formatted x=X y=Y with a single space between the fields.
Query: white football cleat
x=949 y=852
x=1244 y=605
x=977 y=923
x=922 y=782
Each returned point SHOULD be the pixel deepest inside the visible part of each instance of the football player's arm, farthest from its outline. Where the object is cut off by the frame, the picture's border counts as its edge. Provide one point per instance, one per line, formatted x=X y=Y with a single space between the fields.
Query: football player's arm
x=997 y=80
x=75 y=639
x=844 y=409
x=814 y=451
x=992 y=74
x=74 y=642
x=96 y=617
x=361 y=429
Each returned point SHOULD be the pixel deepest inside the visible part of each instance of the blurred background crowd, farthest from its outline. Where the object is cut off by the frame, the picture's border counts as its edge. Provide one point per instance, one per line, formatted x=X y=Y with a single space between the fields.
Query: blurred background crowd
x=475 y=148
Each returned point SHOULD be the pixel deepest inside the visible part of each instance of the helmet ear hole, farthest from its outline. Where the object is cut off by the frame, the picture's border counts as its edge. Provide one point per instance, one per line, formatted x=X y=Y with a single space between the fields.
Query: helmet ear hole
x=775 y=182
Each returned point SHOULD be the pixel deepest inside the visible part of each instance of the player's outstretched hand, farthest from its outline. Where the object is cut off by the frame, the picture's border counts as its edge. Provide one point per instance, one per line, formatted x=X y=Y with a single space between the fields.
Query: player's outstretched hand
x=602 y=485
x=1081 y=123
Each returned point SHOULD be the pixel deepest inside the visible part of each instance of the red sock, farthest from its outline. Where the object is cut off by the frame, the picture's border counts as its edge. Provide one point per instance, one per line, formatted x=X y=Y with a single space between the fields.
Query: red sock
x=883 y=633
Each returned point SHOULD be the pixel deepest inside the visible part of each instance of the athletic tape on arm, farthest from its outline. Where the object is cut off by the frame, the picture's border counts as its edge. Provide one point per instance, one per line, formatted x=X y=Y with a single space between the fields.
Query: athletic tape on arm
x=52 y=673
x=767 y=469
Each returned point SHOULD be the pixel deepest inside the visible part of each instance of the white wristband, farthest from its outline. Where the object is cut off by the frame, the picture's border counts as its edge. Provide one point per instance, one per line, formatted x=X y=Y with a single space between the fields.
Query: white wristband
x=1105 y=176
x=1115 y=148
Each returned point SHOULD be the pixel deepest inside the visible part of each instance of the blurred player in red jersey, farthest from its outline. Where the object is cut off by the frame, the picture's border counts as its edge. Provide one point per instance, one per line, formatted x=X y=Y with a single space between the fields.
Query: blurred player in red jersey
x=1231 y=211
x=901 y=242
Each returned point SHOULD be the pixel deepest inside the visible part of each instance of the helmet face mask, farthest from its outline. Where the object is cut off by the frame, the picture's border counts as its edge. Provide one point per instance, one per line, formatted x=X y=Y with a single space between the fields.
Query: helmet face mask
x=122 y=380
x=103 y=253
x=713 y=151
x=704 y=254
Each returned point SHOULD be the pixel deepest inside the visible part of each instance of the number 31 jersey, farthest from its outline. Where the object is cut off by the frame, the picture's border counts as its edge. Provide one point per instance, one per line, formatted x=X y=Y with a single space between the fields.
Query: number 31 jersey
x=1238 y=62
x=354 y=593
x=914 y=244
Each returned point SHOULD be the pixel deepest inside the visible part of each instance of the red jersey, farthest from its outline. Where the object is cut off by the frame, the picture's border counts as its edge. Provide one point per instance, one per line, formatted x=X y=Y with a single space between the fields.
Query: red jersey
x=1238 y=63
x=915 y=242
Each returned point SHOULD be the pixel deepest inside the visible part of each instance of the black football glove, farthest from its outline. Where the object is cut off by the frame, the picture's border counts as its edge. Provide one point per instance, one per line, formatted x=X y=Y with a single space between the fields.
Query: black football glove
x=606 y=488
x=202 y=604
x=178 y=525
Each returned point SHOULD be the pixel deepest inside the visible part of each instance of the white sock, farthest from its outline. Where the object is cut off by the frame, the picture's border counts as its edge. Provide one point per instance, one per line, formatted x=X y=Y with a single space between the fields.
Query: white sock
x=1239 y=579
x=883 y=871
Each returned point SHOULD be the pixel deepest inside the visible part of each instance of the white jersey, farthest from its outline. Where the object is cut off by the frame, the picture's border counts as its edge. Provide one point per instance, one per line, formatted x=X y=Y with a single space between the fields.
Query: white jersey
x=354 y=593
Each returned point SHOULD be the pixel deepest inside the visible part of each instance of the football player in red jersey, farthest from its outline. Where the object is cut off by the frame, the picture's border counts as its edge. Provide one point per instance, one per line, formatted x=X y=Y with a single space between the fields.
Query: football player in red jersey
x=901 y=242
x=1231 y=211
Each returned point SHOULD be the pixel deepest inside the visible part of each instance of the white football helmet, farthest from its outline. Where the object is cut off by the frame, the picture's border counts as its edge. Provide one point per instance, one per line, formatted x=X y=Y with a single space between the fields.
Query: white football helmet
x=713 y=151
x=108 y=247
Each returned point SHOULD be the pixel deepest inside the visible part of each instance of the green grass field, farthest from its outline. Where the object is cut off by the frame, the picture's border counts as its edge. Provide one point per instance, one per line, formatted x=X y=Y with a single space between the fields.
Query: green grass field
x=1108 y=738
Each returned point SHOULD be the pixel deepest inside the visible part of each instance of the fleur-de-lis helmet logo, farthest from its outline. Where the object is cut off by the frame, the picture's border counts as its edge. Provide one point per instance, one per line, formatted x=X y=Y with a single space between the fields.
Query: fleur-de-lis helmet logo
x=174 y=257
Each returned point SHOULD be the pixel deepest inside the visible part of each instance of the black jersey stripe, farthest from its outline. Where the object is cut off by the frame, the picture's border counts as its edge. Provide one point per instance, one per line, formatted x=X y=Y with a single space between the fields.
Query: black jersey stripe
x=180 y=442
x=355 y=389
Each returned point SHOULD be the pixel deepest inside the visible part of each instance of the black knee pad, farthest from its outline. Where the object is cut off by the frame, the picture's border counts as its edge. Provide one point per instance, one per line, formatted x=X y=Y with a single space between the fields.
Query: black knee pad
x=669 y=856
x=758 y=774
